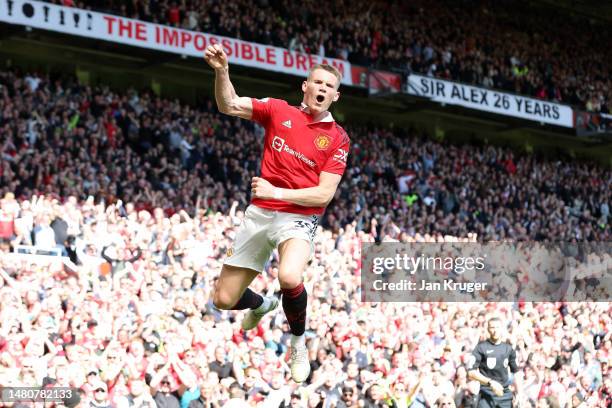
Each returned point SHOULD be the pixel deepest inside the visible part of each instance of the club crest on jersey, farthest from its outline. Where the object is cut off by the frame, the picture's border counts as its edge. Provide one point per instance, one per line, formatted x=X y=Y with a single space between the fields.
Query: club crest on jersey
x=491 y=362
x=322 y=142
x=230 y=251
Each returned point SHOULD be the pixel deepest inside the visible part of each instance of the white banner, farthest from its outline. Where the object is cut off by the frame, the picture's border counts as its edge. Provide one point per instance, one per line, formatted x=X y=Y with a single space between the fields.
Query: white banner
x=138 y=33
x=489 y=100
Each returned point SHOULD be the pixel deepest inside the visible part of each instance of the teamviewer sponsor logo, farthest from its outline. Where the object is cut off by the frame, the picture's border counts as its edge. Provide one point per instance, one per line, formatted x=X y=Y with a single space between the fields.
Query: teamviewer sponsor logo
x=278 y=143
x=300 y=156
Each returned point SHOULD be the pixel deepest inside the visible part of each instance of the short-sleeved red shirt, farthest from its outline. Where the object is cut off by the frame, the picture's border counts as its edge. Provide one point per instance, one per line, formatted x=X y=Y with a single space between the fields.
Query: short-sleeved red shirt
x=297 y=149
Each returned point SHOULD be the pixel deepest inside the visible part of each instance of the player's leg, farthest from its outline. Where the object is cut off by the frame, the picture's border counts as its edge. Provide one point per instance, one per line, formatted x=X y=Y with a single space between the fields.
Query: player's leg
x=245 y=259
x=232 y=292
x=294 y=255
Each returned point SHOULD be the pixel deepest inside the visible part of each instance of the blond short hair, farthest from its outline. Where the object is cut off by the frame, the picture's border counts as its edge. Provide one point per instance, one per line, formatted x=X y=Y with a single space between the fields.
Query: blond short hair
x=328 y=68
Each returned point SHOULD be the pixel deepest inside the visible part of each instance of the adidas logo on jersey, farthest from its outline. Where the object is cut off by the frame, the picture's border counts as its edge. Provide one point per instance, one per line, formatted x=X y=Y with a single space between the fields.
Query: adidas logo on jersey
x=286 y=124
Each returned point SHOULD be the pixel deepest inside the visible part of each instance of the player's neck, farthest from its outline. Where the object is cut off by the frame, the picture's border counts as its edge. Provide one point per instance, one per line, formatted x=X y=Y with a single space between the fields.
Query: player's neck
x=316 y=116
x=496 y=342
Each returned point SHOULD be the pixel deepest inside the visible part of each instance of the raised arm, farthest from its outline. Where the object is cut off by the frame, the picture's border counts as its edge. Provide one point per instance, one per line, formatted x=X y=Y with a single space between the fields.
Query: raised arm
x=227 y=100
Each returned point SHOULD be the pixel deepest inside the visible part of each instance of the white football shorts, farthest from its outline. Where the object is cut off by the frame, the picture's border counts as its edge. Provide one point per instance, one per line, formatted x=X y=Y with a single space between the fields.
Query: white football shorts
x=263 y=230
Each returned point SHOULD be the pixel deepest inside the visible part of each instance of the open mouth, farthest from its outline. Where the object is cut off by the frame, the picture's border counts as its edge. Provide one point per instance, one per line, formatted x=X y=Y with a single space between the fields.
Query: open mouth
x=320 y=98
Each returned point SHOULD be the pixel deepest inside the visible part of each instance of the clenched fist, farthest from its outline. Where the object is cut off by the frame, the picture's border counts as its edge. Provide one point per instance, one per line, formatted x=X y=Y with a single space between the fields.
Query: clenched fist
x=261 y=188
x=216 y=57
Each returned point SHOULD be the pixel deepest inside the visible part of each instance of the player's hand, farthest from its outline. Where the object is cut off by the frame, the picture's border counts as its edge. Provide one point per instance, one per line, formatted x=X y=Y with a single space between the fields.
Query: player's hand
x=216 y=57
x=497 y=388
x=261 y=188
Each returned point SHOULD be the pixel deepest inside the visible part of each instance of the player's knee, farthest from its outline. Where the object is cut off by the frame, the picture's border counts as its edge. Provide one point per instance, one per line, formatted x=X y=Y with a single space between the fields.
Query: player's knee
x=222 y=300
x=290 y=282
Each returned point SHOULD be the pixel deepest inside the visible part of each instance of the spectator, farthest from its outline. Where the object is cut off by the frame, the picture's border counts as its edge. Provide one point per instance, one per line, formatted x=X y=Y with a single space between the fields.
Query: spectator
x=100 y=397
x=220 y=365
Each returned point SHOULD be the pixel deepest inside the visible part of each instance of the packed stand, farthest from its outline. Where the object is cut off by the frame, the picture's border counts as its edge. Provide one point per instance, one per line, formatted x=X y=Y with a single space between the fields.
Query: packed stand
x=131 y=323
x=65 y=139
x=508 y=45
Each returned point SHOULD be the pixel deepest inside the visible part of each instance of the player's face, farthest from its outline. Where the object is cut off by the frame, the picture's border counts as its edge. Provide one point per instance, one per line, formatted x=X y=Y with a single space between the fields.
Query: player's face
x=320 y=90
x=495 y=330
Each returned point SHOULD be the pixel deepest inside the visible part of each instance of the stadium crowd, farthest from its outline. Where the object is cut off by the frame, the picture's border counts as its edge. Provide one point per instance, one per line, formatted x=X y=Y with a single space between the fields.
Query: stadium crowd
x=144 y=196
x=130 y=322
x=61 y=137
x=509 y=45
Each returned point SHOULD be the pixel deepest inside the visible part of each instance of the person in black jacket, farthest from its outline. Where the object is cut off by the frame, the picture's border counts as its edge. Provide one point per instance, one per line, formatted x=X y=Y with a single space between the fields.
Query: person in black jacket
x=489 y=366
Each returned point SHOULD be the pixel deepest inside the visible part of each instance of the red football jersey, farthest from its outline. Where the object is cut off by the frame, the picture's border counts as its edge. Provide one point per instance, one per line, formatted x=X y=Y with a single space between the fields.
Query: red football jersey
x=297 y=149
